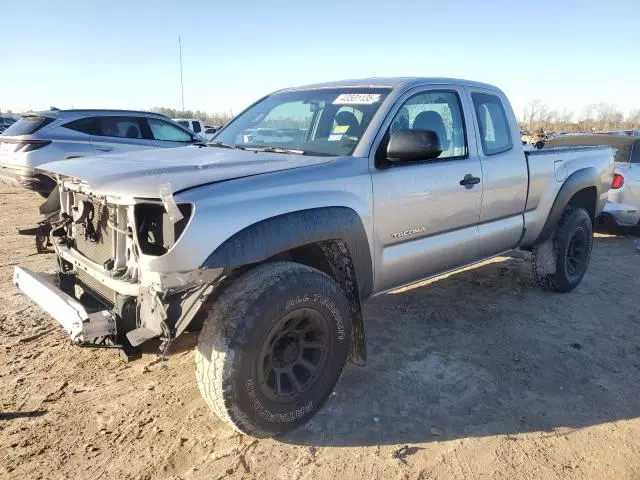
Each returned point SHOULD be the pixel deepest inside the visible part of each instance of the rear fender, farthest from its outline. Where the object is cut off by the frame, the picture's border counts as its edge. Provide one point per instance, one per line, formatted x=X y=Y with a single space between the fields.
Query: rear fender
x=581 y=180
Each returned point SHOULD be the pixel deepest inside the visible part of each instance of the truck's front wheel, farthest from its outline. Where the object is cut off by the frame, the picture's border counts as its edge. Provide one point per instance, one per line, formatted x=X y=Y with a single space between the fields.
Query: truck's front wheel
x=560 y=262
x=272 y=348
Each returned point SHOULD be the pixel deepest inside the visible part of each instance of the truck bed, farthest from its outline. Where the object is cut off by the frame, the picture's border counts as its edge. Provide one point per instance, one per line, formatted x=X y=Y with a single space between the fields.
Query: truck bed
x=548 y=169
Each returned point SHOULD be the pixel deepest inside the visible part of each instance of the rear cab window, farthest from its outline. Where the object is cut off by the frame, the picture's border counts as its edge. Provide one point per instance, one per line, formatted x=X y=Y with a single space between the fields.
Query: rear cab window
x=28 y=125
x=493 y=123
x=196 y=127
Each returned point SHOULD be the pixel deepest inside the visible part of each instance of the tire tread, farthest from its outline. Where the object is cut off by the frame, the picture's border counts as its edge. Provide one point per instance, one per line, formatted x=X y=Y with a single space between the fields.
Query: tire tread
x=216 y=339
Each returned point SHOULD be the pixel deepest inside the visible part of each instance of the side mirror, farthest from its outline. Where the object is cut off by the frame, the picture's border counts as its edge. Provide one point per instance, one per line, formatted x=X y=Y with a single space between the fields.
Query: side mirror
x=413 y=145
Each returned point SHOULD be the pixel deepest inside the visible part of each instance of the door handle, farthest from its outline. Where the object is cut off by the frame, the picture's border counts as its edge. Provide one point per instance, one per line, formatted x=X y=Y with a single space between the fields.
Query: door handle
x=469 y=181
x=104 y=149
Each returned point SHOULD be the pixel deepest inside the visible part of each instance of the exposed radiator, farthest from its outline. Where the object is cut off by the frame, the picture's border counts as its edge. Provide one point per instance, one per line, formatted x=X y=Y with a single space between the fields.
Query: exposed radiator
x=97 y=245
x=96 y=287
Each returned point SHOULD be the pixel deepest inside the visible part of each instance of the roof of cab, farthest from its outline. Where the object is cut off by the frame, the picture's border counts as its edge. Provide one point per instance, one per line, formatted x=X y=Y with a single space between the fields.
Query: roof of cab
x=393 y=82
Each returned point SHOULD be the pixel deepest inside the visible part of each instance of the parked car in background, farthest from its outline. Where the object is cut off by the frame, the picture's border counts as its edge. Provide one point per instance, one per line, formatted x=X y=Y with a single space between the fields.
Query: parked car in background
x=6 y=121
x=193 y=124
x=571 y=134
x=613 y=132
x=210 y=132
x=623 y=206
x=42 y=137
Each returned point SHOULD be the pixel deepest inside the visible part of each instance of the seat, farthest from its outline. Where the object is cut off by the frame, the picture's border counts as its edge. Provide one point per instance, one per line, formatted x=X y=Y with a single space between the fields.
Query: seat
x=133 y=132
x=348 y=119
x=433 y=121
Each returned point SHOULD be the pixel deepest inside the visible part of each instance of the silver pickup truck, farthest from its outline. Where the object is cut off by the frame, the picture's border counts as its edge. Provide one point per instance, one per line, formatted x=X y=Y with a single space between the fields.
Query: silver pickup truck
x=270 y=243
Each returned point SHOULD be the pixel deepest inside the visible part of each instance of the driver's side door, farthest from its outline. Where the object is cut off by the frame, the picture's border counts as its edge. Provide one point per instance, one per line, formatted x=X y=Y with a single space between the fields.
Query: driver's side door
x=426 y=221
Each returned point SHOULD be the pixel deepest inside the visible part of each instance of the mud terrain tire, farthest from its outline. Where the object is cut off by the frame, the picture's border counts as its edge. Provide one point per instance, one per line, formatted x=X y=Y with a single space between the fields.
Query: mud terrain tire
x=559 y=263
x=273 y=347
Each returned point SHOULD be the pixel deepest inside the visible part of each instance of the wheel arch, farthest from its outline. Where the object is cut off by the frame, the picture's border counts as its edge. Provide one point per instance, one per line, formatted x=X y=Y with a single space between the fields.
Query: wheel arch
x=330 y=239
x=580 y=189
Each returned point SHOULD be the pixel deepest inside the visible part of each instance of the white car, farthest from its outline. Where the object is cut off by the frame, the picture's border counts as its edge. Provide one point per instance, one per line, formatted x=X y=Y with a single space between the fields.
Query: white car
x=42 y=137
x=210 y=132
x=193 y=124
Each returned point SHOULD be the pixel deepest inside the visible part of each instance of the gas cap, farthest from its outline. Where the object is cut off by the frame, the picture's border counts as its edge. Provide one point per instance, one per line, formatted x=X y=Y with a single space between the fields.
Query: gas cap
x=560 y=170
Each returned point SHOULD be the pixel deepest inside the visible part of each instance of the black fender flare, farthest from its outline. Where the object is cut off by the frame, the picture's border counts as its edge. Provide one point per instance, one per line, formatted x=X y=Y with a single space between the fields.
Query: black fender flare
x=578 y=180
x=274 y=235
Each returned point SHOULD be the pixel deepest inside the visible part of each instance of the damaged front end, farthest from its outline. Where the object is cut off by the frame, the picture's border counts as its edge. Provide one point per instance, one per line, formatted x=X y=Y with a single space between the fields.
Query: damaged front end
x=104 y=294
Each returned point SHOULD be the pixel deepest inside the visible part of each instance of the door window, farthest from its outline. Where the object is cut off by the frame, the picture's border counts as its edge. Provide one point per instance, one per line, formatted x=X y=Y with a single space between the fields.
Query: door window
x=495 y=133
x=88 y=125
x=439 y=112
x=120 y=127
x=167 y=132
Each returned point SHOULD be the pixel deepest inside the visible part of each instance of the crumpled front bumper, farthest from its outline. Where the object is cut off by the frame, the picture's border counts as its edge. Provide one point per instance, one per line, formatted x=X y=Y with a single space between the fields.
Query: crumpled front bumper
x=66 y=310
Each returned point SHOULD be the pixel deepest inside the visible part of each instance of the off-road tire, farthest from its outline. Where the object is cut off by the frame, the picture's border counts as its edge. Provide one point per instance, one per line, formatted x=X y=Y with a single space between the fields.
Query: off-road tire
x=553 y=263
x=239 y=323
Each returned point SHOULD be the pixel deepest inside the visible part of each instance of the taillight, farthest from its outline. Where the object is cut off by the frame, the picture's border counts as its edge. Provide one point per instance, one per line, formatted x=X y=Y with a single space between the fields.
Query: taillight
x=30 y=145
x=618 y=181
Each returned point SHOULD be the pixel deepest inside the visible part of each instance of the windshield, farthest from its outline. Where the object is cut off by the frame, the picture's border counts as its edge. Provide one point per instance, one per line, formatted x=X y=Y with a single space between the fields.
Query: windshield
x=314 y=122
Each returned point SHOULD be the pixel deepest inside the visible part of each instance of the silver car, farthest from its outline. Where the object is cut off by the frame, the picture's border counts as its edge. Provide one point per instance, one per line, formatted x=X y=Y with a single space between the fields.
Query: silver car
x=43 y=137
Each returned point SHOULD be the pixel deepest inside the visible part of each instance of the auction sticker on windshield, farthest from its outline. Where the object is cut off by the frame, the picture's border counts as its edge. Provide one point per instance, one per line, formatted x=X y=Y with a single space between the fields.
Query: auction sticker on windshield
x=357 y=99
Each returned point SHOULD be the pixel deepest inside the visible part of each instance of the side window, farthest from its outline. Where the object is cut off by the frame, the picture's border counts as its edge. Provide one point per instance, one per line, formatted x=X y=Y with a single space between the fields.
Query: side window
x=167 y=132
x=196 y=127
x=121 y=127
x=439 y=112
x=83 y=125
x=495 y=133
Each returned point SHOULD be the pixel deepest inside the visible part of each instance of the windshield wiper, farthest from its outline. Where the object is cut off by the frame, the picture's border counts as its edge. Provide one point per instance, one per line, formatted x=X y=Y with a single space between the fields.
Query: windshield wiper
x=225 y=145
x=293 y=151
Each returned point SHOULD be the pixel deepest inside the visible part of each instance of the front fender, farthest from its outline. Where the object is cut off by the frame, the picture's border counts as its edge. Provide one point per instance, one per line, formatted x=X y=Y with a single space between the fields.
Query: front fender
x=274 y=235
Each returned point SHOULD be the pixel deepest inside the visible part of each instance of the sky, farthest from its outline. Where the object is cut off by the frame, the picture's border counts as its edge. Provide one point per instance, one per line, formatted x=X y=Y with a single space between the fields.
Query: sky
x=124 y=54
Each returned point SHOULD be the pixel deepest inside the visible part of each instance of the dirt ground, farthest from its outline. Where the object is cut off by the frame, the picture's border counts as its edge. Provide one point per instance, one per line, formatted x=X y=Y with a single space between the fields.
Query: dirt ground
x=479 y=374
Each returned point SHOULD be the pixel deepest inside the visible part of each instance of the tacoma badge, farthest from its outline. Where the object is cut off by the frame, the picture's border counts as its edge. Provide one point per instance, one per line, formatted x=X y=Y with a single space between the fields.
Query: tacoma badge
x=406 y=233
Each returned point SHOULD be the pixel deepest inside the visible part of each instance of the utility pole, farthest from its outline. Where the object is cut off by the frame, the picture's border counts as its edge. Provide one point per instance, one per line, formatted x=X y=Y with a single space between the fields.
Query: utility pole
x=181 y=84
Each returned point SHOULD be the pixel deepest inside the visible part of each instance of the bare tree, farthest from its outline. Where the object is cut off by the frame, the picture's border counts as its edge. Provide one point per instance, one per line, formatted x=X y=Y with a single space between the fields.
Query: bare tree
x=633 y=119
x=566 y=116
x=531 y=112
x=607 y=116
x=208 y=118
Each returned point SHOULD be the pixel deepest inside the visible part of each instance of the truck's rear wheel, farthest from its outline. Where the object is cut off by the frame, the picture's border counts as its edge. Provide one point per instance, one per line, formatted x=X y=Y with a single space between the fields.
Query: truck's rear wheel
x=272 y=348
x=560 y=262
